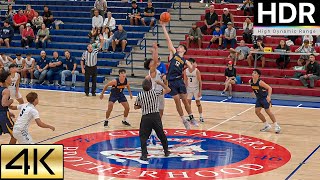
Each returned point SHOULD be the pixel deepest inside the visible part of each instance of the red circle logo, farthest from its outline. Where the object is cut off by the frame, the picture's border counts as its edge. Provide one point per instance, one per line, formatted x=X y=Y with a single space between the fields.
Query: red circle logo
x=195 y=154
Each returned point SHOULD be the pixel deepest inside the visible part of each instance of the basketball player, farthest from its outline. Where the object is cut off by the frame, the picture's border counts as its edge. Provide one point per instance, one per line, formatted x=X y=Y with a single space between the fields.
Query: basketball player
x=14 y=86
x=5 y=61
x=28 y=112
x=6 y=123
x=154 y=75
x=19 y=60
x=192 y=79
x=174 y=77
x=263 y=94
x=28 y=68
x=116 y=94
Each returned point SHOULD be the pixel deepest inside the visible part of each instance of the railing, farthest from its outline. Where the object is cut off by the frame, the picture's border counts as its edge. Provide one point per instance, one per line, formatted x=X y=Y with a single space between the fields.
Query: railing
x=156 y=27
x=130 y=62
x=144 y=47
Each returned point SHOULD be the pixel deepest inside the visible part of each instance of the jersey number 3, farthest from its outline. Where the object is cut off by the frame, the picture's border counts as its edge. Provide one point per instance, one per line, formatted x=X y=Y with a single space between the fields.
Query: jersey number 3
x=190 y=79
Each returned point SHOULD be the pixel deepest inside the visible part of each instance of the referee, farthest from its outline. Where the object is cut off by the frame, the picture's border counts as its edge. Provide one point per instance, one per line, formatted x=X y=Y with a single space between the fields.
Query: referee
x=148 y=101
x=89 y=69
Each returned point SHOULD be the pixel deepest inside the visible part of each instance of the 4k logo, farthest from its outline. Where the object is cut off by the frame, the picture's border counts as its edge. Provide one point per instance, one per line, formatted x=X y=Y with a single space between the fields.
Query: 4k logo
x=31 y=161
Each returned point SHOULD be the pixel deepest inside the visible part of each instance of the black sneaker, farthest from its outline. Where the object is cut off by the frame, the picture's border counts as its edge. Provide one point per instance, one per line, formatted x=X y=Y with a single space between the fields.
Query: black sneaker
x=73 y=86
x=126 y=123
x=144 y=158
x=87 y=94
x=106 y=124
x=167 y=153
x=94 y=94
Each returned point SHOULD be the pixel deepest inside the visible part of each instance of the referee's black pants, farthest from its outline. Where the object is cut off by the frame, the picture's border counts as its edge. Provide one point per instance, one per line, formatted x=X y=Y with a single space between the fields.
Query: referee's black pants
x=90 y=72
x=149 y=122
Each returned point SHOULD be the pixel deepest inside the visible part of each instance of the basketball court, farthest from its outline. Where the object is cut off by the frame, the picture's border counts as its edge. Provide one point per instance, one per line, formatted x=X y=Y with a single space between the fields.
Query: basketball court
x=228 y=145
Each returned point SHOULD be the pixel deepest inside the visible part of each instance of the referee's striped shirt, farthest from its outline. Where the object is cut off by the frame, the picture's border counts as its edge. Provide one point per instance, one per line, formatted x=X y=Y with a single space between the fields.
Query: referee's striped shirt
x=149 y=101
x=90 y=59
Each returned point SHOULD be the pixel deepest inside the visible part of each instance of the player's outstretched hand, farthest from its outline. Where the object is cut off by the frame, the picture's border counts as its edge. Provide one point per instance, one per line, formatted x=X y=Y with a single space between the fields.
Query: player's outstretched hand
x=52 y=128
x=101 y=96
x=163 y=24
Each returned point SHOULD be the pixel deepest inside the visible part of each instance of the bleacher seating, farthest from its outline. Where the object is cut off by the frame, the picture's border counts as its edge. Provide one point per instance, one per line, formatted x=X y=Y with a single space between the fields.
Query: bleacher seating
x=73 y=34
x=212 y=63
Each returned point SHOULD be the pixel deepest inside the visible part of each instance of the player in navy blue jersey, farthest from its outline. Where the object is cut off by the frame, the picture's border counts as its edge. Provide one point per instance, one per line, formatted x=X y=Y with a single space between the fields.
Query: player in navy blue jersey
x=6 y=123
x=116 y=94
x=263 y=94
x=174 y=77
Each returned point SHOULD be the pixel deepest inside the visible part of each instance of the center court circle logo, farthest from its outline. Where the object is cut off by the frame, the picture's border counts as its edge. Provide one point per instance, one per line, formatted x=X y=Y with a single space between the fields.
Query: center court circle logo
x=195 y=154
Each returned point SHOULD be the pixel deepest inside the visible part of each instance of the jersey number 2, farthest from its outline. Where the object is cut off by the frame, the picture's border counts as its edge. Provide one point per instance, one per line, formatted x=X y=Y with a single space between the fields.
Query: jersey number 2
x=190 y=79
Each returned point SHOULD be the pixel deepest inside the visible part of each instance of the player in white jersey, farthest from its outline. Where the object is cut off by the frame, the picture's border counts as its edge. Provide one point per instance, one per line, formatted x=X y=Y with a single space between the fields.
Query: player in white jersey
x=14 y=87
x=19 y=60
x=5 y=61
x=155 y=75
x=28 y=68
x=193 y=81
x=27 y=113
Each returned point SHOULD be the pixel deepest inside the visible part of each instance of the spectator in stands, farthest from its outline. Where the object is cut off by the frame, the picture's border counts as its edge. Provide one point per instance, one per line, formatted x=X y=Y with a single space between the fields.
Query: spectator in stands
x=230 y=36
x=100 y=5
x=28 y=69
x=94 y=34
x=6 y=34
x=5 y=61
x=42 y=37
x=42 y=68
x=98 y=43
x=29 y=13
x=70 y=69
x=19 y=20
x=308 y=37
x=217 y=36
x=225 y=19
x=318 y=41
x=109 y=22
x=47 y=16
x=248 y=30
x=20 y=62
x=37 y=21
x=148 y=15
x=283 y=58
x=97 y=20
x=119 y=39
x=230 y=73
x=259 y=46
x=107 y=39
x=312 y=73
x=210 y=21
x=10 y=13
x=247 y=7
x=56 y=68
x=27 y=36
x=304 y=48
x=240 y=53
x=195 y=35
x=134 y=14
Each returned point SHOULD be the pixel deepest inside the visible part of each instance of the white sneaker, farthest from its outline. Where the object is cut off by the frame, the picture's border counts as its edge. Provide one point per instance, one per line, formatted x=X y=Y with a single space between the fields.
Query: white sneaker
x=194 y=122
x=201 y=1
x=266 y=128
x=277 y=129
x=186 y=124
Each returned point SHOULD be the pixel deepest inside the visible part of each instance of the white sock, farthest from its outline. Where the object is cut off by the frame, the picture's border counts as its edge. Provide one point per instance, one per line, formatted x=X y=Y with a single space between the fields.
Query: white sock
x=200 y=114
x=183 y=119
x=266 y=124
x=276 y=124
x=125 y=119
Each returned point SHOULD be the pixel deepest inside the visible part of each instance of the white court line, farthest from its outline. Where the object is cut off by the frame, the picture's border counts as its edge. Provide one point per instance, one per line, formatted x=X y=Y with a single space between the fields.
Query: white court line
x=230 y=118
x=171 y=98
x=299 y=105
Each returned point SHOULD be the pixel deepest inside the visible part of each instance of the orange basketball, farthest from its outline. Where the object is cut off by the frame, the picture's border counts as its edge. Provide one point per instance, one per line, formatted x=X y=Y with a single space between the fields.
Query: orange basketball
x=165 y=17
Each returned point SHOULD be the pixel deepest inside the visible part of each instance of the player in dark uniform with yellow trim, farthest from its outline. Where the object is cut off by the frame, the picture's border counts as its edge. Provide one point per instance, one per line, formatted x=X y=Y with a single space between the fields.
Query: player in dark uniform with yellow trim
x=263 y=94
x=6 y=123
x=116 y=94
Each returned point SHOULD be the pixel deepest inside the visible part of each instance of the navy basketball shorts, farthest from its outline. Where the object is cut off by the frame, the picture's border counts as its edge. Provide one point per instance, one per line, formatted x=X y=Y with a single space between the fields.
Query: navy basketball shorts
x=119 y=97
x=262 y=102
x=6 y=123
x=177 y=87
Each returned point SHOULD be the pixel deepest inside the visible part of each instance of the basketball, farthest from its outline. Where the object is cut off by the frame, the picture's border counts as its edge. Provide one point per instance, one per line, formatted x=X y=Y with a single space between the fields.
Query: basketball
x=165 y=17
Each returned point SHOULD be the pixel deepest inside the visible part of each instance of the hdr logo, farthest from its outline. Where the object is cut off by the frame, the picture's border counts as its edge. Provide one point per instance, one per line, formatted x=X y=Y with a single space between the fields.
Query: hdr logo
x=286 y=13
